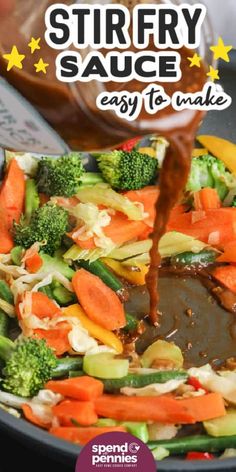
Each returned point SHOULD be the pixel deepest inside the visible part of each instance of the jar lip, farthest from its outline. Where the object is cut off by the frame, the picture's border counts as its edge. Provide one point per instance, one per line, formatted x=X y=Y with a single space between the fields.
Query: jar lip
x=107 y=121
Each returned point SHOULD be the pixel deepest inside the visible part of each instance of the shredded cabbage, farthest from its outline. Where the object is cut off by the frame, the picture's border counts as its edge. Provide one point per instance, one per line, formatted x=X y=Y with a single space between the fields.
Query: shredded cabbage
x=47 y=397
x=159 y=431
x=75 y=253
x=100 y=349
x=13 y=270
x=41 y=404
x=33 y=282
x=216 y=382
x=10 y=410
x=9 y=309
x=91 y=223
x=103 y=194
x=12 y=400
x=26 y=162
x=153 y=389
x=42 y=412
x=171 y=243
x=80 y=340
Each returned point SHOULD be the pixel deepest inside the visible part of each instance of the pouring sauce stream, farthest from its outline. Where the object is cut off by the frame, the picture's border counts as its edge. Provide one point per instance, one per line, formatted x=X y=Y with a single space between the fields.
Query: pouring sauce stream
x=173 y=177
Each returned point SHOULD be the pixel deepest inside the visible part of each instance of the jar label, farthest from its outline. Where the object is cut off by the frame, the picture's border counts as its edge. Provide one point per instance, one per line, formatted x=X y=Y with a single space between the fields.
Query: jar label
x=22 y=128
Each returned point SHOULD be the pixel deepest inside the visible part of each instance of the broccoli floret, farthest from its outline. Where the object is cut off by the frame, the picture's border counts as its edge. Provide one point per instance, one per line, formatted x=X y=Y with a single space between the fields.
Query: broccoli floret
x=127 y=170
x=63 y=176
x=29 y=365
x=47 y=225
x=208 y=171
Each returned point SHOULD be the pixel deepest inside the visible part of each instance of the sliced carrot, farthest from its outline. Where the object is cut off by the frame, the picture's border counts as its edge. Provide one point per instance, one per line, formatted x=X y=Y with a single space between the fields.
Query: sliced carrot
x=163 y=409
x=179 y=210
x=56 y=338
x=100 y=302
x=33 y=263
x=12 y=194
x=39 y=305
x=30 y=416
x=80 y=388
x=229 y=254
x=86 y=244
x=226 y=275
x=205 y=407
x=81 y=411
x=206 y=199
x=43 y=306
x=83 y=435
x=6 y=241
x=148 y=197
x=221 y=222
x=120 y=230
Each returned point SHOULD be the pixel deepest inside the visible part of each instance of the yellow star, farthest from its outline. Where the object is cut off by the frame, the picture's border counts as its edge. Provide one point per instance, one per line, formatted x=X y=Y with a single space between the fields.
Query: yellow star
x=34 y=44
x=41 y=66
x=195 y=60
x=221 y=50
x=213 y=74
x=14 y=59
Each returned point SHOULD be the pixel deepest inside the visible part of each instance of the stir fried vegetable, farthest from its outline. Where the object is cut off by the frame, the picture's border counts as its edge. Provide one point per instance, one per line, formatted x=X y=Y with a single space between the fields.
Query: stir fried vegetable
x=195 y=443
x=127 y=170
x=29 y=364
x=102 y=194
x=105 y=366
x=63 y=176
x=73 y=250
x=138 y=381
x=163 y=351
x=222 y=149
x=208 y=171
x=32 y=200
x=47 y=226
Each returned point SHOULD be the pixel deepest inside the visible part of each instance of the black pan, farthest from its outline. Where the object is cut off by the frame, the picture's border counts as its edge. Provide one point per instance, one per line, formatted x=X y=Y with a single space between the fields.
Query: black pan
x=211 y=320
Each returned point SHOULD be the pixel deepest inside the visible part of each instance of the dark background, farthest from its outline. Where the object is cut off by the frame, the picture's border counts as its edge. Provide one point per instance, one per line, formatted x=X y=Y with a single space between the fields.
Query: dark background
x=19 y=456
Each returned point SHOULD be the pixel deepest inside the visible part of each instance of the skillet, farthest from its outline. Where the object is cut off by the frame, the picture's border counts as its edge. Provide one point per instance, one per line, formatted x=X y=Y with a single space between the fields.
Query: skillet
x=212 y=320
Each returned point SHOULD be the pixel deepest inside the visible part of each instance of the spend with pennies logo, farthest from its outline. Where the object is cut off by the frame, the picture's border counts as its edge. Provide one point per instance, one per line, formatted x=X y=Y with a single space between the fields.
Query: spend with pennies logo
x=115 y=451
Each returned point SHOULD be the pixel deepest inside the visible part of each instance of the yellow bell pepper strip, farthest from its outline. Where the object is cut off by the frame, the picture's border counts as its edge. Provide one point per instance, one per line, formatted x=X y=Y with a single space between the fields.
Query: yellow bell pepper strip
x=101 y=334
x=148 y=150
x=135 y=277
x=198 y=152
x=222 y=149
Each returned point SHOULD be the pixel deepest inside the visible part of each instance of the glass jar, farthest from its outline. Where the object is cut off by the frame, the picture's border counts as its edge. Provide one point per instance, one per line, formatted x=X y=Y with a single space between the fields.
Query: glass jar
x=69 y=110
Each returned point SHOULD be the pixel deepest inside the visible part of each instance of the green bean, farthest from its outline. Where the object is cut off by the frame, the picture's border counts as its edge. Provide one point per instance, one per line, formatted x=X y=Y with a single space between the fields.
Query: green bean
x=142 y=380
x=202 y=443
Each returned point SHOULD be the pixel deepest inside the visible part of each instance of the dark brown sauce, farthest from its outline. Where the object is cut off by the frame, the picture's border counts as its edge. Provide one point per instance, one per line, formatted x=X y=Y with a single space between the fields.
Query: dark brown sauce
x=174 y=175
x=208 y=335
